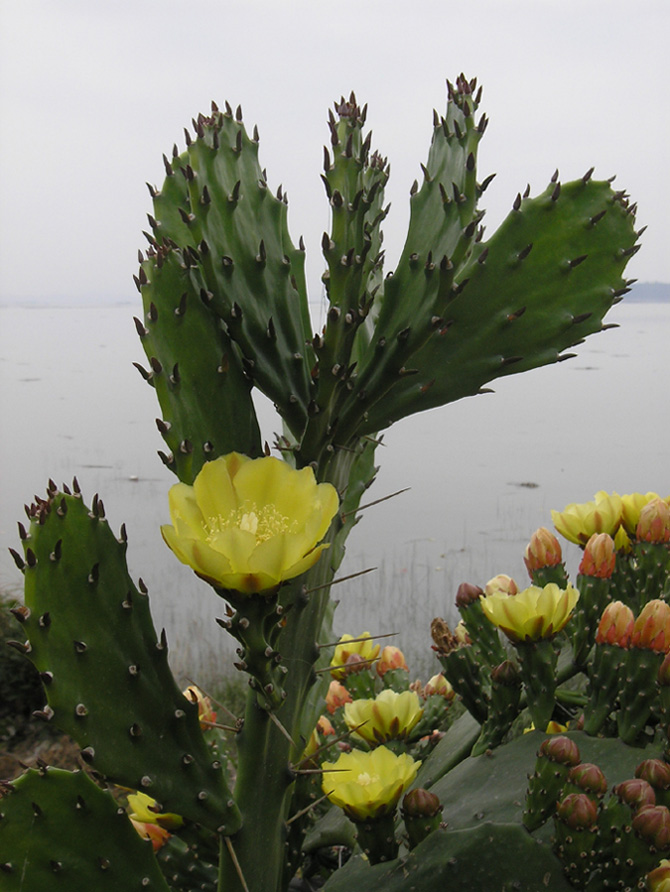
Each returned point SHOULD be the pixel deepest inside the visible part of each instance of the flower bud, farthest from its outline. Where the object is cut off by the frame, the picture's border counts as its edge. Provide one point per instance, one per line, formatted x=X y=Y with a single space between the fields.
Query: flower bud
x=616 y=625
x=656 y=772
x=467 y=594
x=599 y=556
x=337 y=696
x=632 y=506
x=560 y=749
x=389 y=659
x=589 y=779
x=420 y=803
x=506 y=673
x=635 y=793
x=651 y=630
x=652 y=823
x=438 y=684
x=543 y=550
x=501 y=583
x=577 y=811
x=461 y=634
x=654 y=523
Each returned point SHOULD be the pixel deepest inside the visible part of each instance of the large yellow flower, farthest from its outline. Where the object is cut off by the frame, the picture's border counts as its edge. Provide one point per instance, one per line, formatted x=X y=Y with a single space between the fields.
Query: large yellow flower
x=368 y=785
x=390 y=716
x=249 y=524
x=578 y=522
x=533 y=614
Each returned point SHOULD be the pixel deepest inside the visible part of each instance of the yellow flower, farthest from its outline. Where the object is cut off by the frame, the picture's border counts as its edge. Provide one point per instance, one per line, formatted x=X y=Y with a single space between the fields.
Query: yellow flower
x=249 y=524
x=145 y=811
x=532 y=614
x=659 y=878
x=368 y=785
x=633 y=503
x=353 y=654
x=390 y=716
x=578 y=522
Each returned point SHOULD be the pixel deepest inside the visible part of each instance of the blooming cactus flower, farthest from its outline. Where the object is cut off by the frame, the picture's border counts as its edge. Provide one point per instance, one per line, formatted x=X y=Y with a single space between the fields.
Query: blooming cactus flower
x=390 y=716
x=659 y=878
x=144 y=811
x=250 y=524
x=533 y=614
x=353 y=654
x=368 y=785
x=578 y=522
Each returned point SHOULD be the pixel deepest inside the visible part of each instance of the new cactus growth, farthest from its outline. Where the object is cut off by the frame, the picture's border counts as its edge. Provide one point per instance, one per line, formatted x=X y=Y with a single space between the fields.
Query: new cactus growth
x=225 y=313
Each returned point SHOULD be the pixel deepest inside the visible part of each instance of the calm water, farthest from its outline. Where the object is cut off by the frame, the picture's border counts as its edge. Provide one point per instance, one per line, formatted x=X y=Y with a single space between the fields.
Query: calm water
x=484 y=472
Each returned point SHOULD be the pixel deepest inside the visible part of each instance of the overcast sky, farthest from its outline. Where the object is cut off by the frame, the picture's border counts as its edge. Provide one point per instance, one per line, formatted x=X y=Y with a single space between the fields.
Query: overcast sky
x=92 y=94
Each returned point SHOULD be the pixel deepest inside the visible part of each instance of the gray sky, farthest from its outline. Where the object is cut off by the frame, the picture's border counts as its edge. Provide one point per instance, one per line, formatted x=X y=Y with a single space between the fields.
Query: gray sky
x=92 y=94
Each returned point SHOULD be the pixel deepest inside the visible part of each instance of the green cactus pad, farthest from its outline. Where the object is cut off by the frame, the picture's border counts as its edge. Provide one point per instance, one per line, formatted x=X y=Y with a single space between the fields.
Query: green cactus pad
x=503 y=857
x=204 y=396
x=215 y=205
x=59 y=831
x=105 y=672
x=540 y=285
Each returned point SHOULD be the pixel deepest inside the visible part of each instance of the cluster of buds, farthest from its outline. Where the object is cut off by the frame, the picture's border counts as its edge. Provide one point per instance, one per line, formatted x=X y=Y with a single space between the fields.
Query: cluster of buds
x=602 y=843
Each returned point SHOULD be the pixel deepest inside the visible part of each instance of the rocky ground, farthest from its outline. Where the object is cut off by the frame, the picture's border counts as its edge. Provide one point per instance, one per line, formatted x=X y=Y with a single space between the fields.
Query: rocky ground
x=23 y=750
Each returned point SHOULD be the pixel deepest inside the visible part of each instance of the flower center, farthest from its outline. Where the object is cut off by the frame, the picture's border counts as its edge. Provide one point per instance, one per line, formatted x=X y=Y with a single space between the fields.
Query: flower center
x=263 y=522
x=364 y=779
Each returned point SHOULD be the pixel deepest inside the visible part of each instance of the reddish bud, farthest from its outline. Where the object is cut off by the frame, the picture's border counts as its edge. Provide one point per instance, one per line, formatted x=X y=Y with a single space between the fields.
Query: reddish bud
x=656 y=772
x=652 y=627
x=560 y=749
x=616 y=625
x=652 y=823
x=654 y=523
x=421 y=803
x=577 y=811
x=589 y=778
x=635 y=793
x=467 y=594
x=599 y=557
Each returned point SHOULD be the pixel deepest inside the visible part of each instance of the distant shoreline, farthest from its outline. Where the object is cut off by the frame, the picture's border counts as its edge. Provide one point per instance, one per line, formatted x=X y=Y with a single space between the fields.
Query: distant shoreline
x=641 y=292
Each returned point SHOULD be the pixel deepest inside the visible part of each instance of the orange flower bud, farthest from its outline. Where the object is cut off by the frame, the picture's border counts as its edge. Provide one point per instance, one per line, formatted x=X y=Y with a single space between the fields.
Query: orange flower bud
x=652 y=627
x=324 y=726
x=543 y=550
x=632 y=505
x=337 y=696
x=616 y=625
x=654 y=523
x=599 y=556
x=391 y=658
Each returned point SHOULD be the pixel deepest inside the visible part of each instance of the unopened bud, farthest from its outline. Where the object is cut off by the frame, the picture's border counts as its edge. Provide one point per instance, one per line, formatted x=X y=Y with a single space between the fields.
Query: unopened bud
x=635 y=793
x=652 y=823
x=652 y=627
x=654 y=523
x=467 y=594
x=577 y=811
x=543 y=550
x=501 y=583
x=599 y=557
x=616 y=625
x=560 y=749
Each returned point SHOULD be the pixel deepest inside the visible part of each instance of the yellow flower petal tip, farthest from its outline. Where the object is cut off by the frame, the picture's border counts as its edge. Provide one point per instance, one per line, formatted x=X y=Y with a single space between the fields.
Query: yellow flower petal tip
x=248 y=525
x=390 y=716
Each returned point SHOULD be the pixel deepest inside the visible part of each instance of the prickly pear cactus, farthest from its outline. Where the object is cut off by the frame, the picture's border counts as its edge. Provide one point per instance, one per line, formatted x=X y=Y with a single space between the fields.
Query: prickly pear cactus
x=224 y=312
